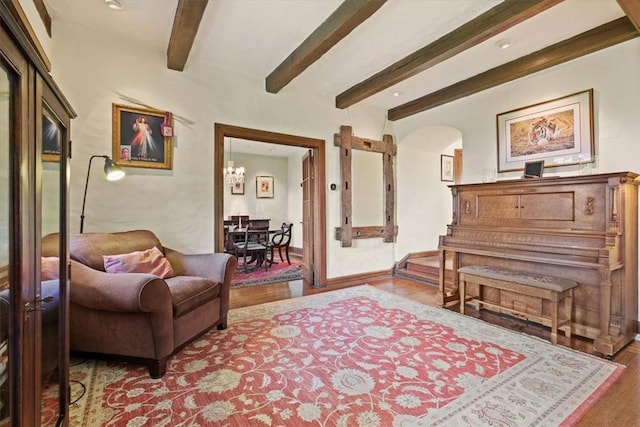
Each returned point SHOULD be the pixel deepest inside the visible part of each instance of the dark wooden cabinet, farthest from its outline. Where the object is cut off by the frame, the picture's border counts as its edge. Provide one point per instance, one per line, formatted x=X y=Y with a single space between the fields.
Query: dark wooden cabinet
x=582 y=228
x=34 y=163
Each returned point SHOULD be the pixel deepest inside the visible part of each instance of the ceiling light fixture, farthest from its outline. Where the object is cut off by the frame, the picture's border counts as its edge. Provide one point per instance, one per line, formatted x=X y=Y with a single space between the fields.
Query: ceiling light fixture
x=397 y=93
x=503 y=44
x=113 y=4
x=233 y=175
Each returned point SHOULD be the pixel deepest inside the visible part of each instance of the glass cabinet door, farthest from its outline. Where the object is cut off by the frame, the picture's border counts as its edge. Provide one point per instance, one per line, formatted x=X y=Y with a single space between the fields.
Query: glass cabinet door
x=34 y=357
x=16 y=234
x=52 y=398
x=5 y=243
x=52 y=344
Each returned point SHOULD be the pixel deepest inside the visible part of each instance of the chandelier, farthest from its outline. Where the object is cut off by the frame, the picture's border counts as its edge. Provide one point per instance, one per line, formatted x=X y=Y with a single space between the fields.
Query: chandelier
x=233 y=175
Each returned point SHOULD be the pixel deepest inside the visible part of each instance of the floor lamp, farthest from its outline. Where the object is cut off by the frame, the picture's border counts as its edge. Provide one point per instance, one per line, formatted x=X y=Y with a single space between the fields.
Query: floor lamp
x=112 y=172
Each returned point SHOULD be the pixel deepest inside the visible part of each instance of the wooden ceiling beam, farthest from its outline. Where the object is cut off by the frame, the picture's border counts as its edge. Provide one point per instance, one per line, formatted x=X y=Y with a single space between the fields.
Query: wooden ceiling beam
x=44 y=15
x=185 y=27
x=632 y=9
x=604 y=36
x=492 y=22
x=340 y=23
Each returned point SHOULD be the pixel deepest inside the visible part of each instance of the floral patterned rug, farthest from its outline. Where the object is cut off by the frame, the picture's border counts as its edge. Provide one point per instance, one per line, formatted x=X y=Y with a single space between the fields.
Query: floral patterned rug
x=352 y=357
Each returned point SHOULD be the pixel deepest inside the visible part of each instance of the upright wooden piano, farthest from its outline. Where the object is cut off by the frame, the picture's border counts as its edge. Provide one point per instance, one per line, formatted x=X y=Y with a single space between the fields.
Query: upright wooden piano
x=583 y=228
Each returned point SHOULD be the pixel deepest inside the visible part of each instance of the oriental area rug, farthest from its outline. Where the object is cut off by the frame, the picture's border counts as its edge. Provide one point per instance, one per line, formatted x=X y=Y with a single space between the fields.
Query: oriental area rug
x=352 y=357
x=280 y=272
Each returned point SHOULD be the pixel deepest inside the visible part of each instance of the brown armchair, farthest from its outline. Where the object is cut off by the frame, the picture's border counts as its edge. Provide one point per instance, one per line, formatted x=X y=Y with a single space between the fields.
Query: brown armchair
x=140 y=315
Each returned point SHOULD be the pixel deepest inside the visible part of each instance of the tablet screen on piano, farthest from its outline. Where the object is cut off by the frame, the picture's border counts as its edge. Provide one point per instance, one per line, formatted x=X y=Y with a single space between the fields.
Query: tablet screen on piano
x=533 y=169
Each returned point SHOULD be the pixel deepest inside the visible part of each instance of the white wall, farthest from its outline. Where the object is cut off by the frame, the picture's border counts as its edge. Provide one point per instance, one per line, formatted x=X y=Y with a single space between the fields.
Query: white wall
x=612 y=73
x=91 y=69
x=178 y=204
x=276 y=209
x=424 y=202
x=294 y=194
x=367 y=189
x=286 y=205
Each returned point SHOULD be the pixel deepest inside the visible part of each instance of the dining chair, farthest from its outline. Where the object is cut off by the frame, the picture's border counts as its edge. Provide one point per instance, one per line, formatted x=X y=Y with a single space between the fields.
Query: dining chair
x=254 y=247
x=280 y=240
x=261 y=227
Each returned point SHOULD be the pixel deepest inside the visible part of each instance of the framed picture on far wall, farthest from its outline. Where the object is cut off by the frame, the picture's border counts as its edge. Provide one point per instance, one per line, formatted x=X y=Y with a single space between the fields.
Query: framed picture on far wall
x=237 y=188
x=558 y=131
x=446 y=168
x=138 y=139
x=264 y=187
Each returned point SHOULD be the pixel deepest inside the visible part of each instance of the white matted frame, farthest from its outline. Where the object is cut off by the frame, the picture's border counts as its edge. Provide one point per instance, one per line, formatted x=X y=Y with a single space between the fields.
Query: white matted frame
x=559 y=131
x=446 y=168
x=237 y=188
x=264 y=187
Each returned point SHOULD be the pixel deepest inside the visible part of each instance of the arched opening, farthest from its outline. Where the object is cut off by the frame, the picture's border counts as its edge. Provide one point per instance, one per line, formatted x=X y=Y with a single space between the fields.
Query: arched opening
x=423 y=200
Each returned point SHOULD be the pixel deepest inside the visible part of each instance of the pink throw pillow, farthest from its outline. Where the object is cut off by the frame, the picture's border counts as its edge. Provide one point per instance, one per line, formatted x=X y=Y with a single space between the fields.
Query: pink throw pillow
x=151 y=261
x=49 y=268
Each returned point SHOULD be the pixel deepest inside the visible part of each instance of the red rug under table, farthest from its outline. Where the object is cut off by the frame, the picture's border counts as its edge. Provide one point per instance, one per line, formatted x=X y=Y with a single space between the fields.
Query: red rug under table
x=277 y=272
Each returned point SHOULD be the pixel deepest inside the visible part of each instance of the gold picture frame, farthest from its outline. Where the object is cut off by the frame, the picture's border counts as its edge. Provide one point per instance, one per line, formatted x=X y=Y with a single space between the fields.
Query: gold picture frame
x=138 y=138
x=558 y=131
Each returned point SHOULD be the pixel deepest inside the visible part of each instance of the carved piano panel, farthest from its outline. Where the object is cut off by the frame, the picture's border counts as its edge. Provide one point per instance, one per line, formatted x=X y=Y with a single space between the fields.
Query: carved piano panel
x=581 y=228
x=563 y=206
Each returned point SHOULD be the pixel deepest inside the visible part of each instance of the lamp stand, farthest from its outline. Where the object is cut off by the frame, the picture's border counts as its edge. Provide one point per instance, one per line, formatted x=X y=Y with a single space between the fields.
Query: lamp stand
x=86 y=186
x=112 y=171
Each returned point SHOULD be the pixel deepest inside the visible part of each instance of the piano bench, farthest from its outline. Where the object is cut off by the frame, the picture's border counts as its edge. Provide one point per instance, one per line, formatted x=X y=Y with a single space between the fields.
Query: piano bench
x=553 y=289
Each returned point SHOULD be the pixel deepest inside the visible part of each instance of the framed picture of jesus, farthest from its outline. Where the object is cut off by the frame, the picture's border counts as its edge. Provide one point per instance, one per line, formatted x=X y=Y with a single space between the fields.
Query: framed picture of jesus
x=138 y=139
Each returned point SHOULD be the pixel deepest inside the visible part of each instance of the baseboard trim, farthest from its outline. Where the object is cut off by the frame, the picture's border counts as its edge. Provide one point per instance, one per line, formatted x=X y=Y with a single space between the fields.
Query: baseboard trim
x=360 y=277
x=295 y=251
x=351 y=279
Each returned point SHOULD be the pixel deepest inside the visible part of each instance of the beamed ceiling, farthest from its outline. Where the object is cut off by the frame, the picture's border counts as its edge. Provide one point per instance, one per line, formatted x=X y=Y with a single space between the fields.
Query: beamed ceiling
x=406 y=56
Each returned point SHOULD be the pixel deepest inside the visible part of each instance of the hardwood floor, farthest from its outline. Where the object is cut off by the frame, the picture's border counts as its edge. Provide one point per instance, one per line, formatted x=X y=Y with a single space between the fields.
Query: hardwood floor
x=620 y=406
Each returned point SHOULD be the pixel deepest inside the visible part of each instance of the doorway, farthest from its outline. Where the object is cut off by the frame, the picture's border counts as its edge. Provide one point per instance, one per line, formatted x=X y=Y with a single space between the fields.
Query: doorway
x=317 y=252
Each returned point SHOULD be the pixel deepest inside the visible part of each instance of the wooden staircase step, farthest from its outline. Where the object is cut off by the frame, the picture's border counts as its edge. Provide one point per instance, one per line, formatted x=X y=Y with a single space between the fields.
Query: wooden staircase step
x=425 y=269
x=417 y=276
x=422 y=264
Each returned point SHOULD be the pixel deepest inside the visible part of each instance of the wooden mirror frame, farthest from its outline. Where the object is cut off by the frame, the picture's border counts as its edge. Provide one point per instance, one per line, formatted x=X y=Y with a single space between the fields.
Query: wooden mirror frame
x=347 y=142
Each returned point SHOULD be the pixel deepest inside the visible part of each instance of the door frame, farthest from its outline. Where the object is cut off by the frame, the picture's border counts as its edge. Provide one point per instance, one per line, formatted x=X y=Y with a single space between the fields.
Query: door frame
x=319 y=250
x=307 y=214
